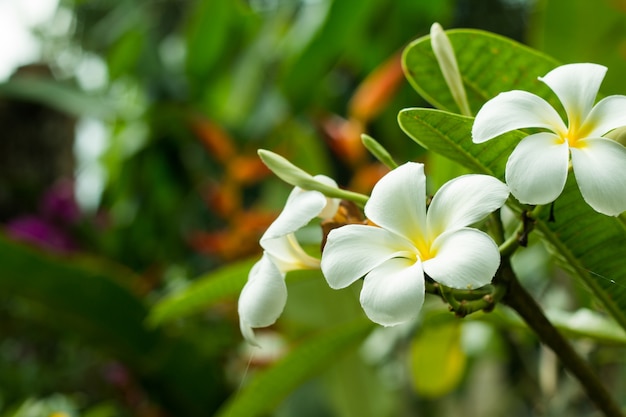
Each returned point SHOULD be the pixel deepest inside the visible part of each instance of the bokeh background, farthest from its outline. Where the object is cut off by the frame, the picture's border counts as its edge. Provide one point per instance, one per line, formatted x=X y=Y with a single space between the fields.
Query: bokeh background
x=128 y=172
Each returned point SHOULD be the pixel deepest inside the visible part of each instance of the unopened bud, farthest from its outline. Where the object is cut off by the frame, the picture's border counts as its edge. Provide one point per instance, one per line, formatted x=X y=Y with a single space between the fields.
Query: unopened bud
x=449 y=67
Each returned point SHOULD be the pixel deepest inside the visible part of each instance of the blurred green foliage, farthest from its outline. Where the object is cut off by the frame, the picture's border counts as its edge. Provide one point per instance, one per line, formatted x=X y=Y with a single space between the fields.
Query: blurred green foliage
x=190 y=90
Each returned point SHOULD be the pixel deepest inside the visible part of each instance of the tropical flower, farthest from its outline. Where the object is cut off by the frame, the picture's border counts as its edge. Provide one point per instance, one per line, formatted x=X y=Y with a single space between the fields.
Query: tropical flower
x=537 y=169
x=408 y=242
x=264 y=296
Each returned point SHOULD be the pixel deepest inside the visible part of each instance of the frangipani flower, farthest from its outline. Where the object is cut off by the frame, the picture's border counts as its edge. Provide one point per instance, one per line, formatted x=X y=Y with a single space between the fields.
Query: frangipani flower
x=537 y=169
x=264 y=296
x=409 y=242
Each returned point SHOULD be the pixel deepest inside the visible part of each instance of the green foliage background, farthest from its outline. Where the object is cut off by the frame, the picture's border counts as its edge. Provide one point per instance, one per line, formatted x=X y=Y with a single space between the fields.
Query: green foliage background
x=140 y=319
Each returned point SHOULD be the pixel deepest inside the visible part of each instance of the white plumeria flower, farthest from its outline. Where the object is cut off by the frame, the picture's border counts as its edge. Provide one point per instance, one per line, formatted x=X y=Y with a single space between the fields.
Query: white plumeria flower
x=409 y=242
x=537 y=169
x=264 y=296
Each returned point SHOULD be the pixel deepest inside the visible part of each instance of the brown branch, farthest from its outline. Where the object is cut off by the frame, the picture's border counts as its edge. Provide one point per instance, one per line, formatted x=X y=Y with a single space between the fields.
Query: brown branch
x=525 y=305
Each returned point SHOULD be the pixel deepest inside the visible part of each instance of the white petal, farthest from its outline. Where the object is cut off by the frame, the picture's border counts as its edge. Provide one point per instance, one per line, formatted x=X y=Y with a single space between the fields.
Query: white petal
x=248 y=332
x=301 y=207
x=398 y=201
x=600 y=169
x=464 y=201
x=287 y=254
x=514 y=110
x=465 y=258
x=608 y=114
x=577 y=86
x=537 y=169
x=263 y=298
x=354 y=250
x=393 y=292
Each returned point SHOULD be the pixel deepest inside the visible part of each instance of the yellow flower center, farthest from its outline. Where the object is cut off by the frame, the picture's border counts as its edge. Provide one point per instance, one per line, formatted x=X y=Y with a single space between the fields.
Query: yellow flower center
x=575 y=132
x=424 y=250
x=573 y=136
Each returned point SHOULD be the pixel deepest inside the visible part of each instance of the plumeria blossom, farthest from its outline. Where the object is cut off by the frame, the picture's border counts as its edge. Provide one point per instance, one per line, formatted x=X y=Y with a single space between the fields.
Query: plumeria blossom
x=408 y=242
x=264 y=296
x=537 y=169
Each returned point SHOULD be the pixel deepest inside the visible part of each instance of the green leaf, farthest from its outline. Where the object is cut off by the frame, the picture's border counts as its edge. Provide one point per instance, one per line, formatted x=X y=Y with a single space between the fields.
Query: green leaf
x=590 y=245
x=580 y=324
x=354 y=388
x=343 y=24
x=124 y=55
x=489 y=64
x=269 y=387
x=215 y=286
x=81 y=294
x=207 y=36
x=92 y=300
x=60 y=96
x=449 y=135
x=437 y=361
x=569 y=44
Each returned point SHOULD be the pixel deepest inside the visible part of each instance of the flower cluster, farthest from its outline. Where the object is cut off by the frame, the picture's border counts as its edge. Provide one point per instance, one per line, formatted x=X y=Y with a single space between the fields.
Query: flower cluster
x=263 y=298
x=404 y=242
x=537 y=169
x=409 y=242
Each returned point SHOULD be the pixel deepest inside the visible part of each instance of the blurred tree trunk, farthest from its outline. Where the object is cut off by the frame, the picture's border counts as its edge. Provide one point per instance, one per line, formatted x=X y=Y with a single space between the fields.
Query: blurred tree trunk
x=36 y=149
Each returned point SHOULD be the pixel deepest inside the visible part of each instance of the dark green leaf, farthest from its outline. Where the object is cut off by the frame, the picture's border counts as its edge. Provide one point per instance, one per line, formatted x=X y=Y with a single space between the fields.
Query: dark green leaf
x=450 y=135
x=91 y=299
x=81 y=294
x=343 y=23
x=268 y=388
x=207 y=34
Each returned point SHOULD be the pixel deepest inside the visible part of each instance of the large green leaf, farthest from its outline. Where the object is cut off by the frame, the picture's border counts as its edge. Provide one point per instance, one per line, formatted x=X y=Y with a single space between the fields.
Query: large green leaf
x=81 y=294
x=589 y=244
x=268 y=388
x=217 y=285
x=489 y=64
x=449 y=135
x=93 y=301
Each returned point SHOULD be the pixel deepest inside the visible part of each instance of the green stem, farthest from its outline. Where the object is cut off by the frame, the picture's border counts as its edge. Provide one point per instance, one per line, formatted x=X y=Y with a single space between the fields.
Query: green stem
x=495 y=227
x=520 y=236
x=525 y=305
x=474 y=294
x=465 y=302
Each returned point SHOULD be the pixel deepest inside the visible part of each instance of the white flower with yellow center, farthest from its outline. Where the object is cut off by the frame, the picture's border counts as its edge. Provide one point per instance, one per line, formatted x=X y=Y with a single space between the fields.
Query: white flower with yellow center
x=407 y=242
x=264 y=296
x=537 y=169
